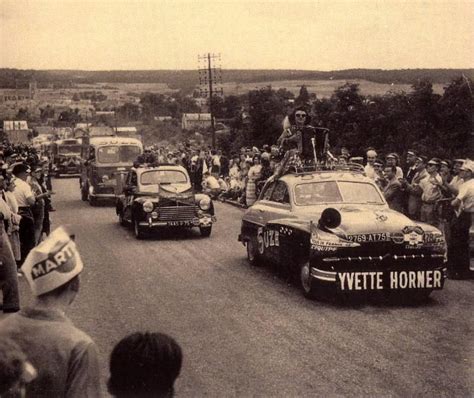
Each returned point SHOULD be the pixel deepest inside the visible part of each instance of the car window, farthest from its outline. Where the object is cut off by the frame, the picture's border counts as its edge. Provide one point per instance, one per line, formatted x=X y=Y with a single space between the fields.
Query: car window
x=336 y=192
x=280 y=193
x=118 y=153
x=163 y=177
x=128 y=153
x=266 y=195
x=359 y=192
x=108 y=154
x=314 y=193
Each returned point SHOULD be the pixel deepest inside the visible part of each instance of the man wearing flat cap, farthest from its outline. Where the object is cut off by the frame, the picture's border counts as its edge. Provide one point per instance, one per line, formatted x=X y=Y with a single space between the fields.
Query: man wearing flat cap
x=431 y=193
x=392 y=160
x=66 y=358
x=458 y=248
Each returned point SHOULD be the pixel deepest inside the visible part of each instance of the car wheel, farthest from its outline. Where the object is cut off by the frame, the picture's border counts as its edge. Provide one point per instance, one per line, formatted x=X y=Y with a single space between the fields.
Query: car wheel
x=137 y=230
x=92 y=201
x=252 y=253
x=307 y=282
x=205 y=231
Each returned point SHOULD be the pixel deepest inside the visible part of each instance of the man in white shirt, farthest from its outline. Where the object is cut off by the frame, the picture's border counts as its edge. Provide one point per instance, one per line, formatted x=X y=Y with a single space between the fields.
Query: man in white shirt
x=25 y=198
x=369 y=167
x=431 y=193
x=458 y=249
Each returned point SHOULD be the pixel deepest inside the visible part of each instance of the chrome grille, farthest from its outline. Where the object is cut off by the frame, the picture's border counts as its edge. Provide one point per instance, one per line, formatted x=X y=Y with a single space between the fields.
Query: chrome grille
x=176 y=213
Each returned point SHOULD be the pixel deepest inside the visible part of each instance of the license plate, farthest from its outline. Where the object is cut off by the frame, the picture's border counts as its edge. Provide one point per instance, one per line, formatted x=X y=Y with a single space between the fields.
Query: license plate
x=389 y=280
x=179 y=223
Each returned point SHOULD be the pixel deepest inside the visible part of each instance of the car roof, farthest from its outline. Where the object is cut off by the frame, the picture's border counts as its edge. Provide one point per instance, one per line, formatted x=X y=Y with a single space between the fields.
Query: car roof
x=141 y=170
x=321 y=176
x=98 y=141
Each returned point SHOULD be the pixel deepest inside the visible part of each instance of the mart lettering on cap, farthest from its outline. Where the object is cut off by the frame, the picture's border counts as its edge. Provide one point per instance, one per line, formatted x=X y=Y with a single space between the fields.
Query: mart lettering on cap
x=61 y=261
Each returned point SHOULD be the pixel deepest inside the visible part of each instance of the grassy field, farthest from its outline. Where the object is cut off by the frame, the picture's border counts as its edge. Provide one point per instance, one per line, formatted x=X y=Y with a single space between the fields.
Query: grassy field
x=322 y=88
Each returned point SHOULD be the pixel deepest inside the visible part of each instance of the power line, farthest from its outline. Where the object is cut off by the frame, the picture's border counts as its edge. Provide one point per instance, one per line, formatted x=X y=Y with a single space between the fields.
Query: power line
x=210 y=82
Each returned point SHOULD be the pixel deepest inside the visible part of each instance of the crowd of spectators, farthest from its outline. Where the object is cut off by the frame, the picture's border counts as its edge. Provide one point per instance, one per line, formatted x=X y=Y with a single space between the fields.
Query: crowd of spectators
x=25 y=204
x=436 y=191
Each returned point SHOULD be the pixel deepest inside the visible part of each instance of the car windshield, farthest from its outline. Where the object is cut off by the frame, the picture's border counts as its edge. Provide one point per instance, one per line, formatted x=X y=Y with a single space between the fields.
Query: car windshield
x=154 y=177
x=336 y=192
x=118 y=153
x=64 y=149
x=359 y=192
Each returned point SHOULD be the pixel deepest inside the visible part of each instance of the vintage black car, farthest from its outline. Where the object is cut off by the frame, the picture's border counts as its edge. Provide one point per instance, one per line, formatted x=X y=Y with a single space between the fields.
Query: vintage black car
x=334 y=230
x=162 y=196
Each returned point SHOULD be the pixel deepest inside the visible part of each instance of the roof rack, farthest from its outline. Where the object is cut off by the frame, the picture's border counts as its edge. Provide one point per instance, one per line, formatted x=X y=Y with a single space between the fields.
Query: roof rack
x=328 y=167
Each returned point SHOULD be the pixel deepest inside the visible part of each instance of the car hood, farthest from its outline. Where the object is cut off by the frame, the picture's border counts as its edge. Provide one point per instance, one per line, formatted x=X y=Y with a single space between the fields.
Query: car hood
x=363 y=220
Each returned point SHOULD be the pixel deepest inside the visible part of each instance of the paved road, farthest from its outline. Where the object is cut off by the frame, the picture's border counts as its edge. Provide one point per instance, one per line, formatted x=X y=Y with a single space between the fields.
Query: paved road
x=245 y=332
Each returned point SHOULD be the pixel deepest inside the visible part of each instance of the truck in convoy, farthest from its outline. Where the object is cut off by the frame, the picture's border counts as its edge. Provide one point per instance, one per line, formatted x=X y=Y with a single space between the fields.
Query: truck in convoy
x=106 y=161
x=66 y=157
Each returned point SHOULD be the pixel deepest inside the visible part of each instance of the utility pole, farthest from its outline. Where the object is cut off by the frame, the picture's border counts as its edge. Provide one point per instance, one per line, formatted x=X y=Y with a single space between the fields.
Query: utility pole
x=210 y=81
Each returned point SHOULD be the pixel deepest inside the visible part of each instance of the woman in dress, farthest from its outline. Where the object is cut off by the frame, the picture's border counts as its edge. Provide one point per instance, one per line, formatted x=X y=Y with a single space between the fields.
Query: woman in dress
x=13 y=230
x=253 y=175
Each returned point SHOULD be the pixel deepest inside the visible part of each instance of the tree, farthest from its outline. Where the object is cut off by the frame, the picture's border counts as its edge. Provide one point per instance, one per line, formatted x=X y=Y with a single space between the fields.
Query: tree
x=129 y=111
x=46 y=113
x=303 y=97
x=70 y=117
x=22 y=114
x=266 y=111
x=456 y=117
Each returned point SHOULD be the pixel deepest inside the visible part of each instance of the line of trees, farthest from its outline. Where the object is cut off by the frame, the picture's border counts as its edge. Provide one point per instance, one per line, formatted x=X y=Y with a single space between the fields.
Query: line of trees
x=436 y=125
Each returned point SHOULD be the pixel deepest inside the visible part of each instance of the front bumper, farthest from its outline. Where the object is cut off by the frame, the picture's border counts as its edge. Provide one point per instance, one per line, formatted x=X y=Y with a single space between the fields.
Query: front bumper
x=392 y=275
x=205 y=221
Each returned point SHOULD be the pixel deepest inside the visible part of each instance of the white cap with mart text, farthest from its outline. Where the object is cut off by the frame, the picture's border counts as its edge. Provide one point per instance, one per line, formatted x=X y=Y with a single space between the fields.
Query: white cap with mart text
x=52 y=263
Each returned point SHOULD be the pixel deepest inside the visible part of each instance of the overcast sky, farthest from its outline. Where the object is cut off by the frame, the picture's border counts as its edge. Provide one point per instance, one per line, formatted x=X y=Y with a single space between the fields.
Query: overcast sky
x=313 y=35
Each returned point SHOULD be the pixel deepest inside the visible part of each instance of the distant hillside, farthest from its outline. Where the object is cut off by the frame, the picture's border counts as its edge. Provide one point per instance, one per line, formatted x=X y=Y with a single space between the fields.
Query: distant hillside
x=187 y=79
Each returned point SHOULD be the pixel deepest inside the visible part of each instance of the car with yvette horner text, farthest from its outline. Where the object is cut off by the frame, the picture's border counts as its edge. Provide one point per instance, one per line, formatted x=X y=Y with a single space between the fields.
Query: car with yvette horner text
x=335 y=232
x=162 y=196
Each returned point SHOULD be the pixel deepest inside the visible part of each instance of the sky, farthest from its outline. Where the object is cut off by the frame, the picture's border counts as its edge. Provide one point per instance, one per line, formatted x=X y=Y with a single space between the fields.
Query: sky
x=291 y=34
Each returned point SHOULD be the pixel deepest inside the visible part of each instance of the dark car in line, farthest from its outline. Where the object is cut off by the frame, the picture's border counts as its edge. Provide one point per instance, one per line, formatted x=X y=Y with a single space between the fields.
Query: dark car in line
x=162 y=197
x=334 y=231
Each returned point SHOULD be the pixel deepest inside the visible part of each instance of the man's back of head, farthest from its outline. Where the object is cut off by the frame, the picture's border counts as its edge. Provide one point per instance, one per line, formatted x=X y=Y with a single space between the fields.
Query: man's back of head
x=145 y=365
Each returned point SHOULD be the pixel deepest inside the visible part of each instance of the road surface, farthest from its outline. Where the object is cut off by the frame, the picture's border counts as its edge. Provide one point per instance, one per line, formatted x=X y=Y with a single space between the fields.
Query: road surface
x=246 y=332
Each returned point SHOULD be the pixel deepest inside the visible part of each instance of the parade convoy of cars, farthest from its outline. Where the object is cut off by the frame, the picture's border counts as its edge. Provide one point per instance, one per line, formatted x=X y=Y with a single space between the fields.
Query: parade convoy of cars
x=329 y=226
x=162 y=197
x=334 y=230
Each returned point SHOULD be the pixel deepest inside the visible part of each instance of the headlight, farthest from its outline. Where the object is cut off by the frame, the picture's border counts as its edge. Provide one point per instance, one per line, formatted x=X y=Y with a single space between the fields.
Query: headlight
x=147 y=206
x=205 y=203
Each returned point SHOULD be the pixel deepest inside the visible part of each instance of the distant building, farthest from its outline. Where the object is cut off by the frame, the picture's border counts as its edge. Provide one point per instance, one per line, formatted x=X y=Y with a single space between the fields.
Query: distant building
x=44 y=130
x=17 y=131
x=192 y=121
x=163 y=118
x=129 y=131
